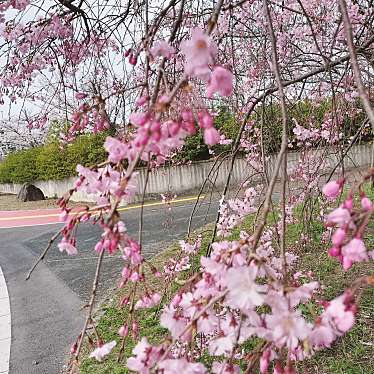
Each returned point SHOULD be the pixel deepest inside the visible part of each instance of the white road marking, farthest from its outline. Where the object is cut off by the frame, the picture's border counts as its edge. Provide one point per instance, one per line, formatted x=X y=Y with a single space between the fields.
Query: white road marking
x=5 y=326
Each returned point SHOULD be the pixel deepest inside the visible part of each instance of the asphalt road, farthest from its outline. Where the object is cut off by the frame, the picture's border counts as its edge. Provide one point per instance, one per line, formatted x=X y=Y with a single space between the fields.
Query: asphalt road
x=46 y=310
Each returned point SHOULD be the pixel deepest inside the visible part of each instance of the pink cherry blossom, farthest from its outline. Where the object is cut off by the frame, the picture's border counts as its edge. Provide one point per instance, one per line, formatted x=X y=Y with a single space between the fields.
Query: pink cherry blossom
x=339 y=216
x=366 y=204
x=123 y=331
x=99 y=246
x=354 y=251
x=66 y=245
x=334 y=251
x=331 y=189
x=199 y=52
x=340 y=313
x=220 y=82
x=20 y=4
x=144 y=357
x=244 y=292
x=139 y=118
x=224 y=342
x=189 y=248
x=173 y=320
x=100 y=352
x=148 y=301
x=302 y=293
x=225 y=141
x=207 y=323
x=287 y=327
x=162 y=48
x=322 y=335
x=211 y=136
x=225 y=368
x=116 y=149
x=338 y=237
x=141 y=101
x=212 y=266
x=64 y=215
x=181 y=365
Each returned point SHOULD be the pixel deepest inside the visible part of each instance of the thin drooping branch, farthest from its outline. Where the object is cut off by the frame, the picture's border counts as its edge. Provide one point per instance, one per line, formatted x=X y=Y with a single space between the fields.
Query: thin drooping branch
x=283 y=152
x=43 y=254
x=345 y=152
x=354 y=63
x=171 y=39
x=211 y=171
x=90 y=303
x=141 y=214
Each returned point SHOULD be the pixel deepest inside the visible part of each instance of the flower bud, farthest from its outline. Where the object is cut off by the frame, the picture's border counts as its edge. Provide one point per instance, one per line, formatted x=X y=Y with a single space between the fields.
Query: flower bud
x=338 y=237
x=132 y=60
x=347 y=263
x=123 y=331
x=125 y=273
x=264 y=361
x=73 y=348
x=176 y=300
x=366 y=204
x=333 y=252
x=141 y=101
x=331 y=189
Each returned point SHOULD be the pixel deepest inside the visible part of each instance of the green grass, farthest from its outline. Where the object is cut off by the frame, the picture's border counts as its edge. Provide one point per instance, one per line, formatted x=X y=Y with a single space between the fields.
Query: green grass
x=113 y=317
x=352 y=354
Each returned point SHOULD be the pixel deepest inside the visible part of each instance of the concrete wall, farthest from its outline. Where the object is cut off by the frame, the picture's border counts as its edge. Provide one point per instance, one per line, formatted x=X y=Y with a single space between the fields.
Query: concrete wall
x=189 y=178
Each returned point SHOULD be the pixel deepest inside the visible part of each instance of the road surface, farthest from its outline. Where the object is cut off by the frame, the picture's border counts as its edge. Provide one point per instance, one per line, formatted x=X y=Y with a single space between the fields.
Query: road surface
x=45 y=311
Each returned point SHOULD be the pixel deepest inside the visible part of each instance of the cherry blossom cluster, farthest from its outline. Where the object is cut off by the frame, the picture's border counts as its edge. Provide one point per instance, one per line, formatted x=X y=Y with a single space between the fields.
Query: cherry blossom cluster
x=181 y=262
x=223 y=305
x=233 y=211
x=348 y=245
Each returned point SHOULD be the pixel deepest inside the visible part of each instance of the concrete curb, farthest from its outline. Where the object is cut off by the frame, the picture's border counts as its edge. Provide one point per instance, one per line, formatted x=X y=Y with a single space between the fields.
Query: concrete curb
x=5 y=326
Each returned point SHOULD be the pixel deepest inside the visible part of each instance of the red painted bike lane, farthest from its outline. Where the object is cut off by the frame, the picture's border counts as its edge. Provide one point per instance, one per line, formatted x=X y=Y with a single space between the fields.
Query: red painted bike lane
x=21 y=218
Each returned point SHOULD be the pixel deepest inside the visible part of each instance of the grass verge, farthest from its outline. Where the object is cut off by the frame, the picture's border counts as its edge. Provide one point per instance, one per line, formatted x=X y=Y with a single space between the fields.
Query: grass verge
x=351 y=354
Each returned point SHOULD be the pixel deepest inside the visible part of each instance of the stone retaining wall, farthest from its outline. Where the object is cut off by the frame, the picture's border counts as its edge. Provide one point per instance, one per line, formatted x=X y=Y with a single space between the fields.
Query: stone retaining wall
x=189 y=178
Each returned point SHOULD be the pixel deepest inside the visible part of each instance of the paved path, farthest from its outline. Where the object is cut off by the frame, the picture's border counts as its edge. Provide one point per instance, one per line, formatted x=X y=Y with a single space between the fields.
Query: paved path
x=23 y=218
x=46 y=315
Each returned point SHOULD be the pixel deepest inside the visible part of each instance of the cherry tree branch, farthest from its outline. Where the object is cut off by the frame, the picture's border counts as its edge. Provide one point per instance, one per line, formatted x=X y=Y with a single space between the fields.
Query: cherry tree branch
x=354 y=63
x=43 y=254
x=90 y=303
x=284 y=144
